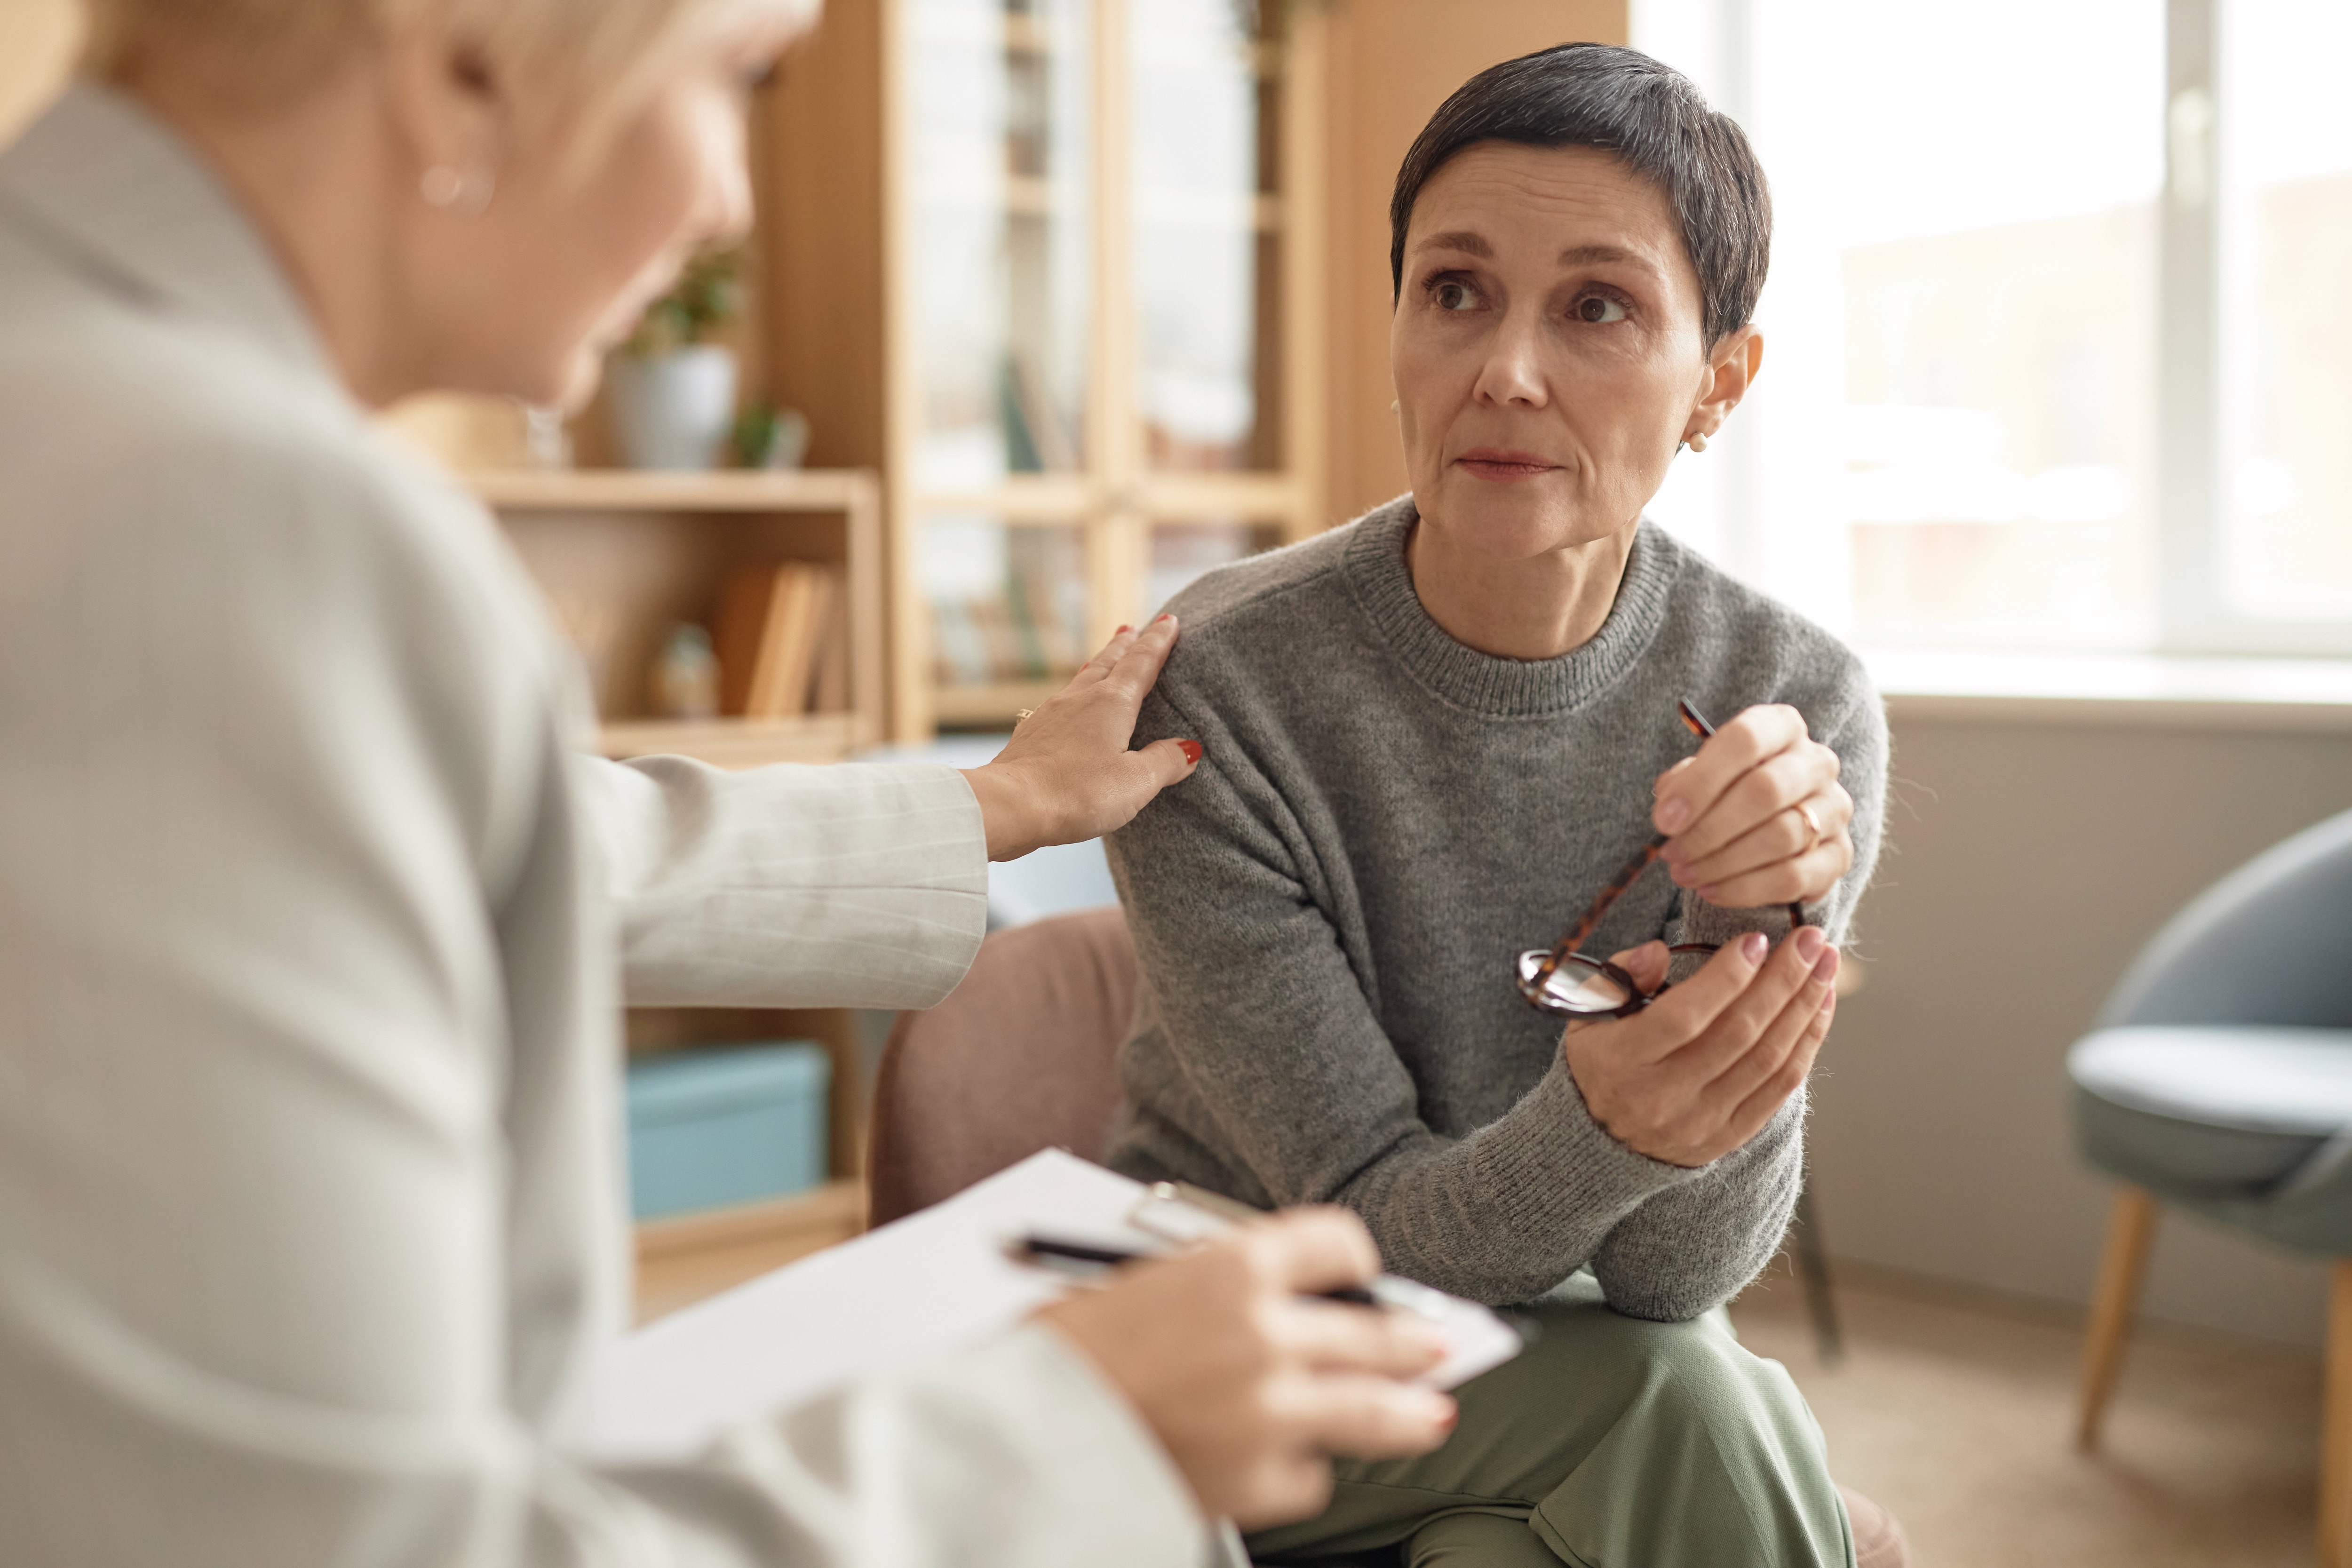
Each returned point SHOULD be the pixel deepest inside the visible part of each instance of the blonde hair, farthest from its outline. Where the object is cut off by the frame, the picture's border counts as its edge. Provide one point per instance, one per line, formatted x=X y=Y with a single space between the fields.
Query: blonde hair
x=567 y=57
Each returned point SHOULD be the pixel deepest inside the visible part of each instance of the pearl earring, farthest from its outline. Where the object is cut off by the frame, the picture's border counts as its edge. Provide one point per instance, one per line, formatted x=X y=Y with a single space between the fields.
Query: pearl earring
x=1695 y=441
x=467 y=191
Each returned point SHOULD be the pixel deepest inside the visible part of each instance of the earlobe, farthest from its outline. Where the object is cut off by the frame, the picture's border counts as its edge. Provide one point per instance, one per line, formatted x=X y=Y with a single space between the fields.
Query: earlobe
x=444 y=102
x=1730 y=373
x=1737 y=360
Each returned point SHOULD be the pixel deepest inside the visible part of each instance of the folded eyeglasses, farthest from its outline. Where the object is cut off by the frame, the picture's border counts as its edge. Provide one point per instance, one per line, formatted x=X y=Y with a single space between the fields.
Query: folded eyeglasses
x=1560 y=979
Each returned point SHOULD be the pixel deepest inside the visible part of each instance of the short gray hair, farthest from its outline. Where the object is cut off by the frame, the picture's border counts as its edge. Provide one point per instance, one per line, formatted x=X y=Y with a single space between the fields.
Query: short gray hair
x=1651 y=116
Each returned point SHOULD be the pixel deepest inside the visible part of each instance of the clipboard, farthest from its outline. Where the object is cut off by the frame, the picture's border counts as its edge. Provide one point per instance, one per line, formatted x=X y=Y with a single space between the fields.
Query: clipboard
x=920 y=1287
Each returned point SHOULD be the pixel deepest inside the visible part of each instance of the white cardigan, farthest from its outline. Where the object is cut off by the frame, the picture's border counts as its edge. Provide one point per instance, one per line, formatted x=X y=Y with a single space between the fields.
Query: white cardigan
x=313 y=933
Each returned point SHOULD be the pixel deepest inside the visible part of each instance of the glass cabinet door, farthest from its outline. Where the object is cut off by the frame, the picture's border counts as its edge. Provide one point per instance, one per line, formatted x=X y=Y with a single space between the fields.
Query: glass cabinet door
x=1008 y=603
x=1202 y=106
x=999 y=125
x=1184 y=550
x=1089 y=306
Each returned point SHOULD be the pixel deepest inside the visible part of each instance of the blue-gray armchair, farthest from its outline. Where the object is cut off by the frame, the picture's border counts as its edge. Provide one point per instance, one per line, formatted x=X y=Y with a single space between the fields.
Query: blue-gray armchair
x=2220 y=1080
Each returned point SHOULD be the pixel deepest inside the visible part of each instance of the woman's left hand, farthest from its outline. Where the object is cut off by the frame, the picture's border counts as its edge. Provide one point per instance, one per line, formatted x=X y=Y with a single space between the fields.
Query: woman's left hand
x=1759 y=816
x=1067 y=776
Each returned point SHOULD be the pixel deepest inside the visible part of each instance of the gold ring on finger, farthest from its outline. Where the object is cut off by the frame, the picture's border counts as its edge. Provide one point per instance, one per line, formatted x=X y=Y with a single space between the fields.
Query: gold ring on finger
x=1812 y=822
x=1026 y=711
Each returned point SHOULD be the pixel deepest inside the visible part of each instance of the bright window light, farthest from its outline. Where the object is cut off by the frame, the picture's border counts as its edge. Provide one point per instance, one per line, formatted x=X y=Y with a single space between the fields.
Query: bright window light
x=2001 y=404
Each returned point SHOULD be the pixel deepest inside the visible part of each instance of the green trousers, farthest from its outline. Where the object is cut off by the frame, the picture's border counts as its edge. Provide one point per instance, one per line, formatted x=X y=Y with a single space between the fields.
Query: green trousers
x=1610 y=1443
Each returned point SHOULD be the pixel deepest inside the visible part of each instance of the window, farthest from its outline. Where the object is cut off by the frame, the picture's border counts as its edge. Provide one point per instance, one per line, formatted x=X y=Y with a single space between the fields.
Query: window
x=2056 y=301
x=2284 y=206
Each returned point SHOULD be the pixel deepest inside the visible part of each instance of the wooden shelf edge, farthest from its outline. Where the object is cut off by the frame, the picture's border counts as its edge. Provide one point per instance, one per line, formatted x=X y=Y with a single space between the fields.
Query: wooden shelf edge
x=685 y=1258
x=993 y=703
x=838 y=1206
x=738 y=742
x=632 y=489
x=1164 y=495
x=1173 y=497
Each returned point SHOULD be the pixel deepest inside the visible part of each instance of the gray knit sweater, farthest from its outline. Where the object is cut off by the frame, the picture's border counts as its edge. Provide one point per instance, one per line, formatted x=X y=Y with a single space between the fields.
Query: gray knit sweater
x=1329 y=910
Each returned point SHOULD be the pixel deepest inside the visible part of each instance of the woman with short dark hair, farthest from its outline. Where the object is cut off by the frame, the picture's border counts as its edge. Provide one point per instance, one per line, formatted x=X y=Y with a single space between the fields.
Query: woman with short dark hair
x=1434 y=737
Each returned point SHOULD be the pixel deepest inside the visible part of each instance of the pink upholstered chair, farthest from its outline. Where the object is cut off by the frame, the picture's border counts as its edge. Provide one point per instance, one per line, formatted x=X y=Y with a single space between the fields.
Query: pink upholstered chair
x=1023 y=1056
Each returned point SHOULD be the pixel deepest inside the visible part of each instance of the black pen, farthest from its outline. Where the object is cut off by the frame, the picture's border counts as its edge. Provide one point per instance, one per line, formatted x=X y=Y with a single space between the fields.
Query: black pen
x=1046 y=1247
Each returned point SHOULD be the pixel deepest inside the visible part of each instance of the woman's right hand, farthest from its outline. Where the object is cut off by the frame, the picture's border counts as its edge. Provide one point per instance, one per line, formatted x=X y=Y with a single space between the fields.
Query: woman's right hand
x=1067 y=776
x=1249 y=1383
x=1699 y=1071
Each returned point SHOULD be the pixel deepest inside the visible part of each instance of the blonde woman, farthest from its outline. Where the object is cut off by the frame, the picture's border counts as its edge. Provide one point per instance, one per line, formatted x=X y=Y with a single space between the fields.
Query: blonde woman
x=313 y=930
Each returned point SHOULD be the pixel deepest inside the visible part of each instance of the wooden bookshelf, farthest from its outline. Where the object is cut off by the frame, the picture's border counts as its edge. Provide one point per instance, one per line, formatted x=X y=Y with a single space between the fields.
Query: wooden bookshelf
x=683 y=1258
x=623 y=554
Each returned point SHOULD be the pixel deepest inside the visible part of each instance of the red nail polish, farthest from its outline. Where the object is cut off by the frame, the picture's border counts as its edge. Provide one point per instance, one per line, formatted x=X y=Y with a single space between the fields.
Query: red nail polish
x=1164 y=616
x=1123 y=629
x=1191 y=750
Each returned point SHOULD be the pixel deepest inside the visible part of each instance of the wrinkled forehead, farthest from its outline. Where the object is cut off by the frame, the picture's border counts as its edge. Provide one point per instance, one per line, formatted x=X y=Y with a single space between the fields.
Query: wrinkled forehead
x=1575 y=206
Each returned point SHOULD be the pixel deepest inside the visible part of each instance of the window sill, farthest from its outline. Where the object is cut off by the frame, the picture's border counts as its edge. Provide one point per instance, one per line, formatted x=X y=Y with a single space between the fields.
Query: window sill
x=2133 y=691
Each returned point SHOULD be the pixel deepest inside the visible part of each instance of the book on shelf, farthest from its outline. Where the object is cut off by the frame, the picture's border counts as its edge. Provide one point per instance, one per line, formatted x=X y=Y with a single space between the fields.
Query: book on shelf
x=829 y=682
x=1035 y=438
x=775 y=622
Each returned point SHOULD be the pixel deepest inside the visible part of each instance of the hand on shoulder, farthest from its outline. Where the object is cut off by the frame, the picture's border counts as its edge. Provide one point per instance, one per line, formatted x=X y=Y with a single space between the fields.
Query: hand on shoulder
x=1067 y=776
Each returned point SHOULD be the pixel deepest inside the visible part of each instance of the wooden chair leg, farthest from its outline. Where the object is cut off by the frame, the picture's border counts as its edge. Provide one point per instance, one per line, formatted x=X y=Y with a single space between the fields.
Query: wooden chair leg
x=2131 y=1226
x=2335 y=1429
x=1814 y=1265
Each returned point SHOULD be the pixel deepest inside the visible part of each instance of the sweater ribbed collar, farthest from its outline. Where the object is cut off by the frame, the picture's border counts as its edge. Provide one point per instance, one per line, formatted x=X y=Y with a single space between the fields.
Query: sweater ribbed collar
x=1504 y=688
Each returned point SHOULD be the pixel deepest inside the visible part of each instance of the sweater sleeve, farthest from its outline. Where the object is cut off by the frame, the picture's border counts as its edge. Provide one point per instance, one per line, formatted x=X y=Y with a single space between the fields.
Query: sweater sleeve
x=1281 y=1066
x=1693 y=1248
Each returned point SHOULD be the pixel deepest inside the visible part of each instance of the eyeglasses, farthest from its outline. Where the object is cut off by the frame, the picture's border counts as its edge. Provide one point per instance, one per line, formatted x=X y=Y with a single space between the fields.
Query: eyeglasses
x=1564 y=981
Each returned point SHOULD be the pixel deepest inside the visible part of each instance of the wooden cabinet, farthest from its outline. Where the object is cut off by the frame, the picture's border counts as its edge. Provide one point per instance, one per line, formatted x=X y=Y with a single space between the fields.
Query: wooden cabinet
x=1085 y=239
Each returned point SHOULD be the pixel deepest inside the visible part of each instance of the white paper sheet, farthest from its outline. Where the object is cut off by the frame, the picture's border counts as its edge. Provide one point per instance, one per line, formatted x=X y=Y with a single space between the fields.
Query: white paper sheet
x=926 y=1284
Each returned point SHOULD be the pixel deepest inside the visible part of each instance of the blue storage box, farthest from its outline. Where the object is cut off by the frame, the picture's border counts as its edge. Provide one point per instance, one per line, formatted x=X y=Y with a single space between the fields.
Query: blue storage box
x=708 y=1127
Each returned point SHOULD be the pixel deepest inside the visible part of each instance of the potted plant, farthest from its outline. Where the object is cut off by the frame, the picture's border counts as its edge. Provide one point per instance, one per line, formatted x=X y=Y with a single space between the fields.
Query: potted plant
x=673 y=389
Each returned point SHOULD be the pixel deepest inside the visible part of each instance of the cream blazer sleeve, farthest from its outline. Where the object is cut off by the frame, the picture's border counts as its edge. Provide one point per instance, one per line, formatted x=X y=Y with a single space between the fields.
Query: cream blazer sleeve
x=312 y=941
x=848 y=885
